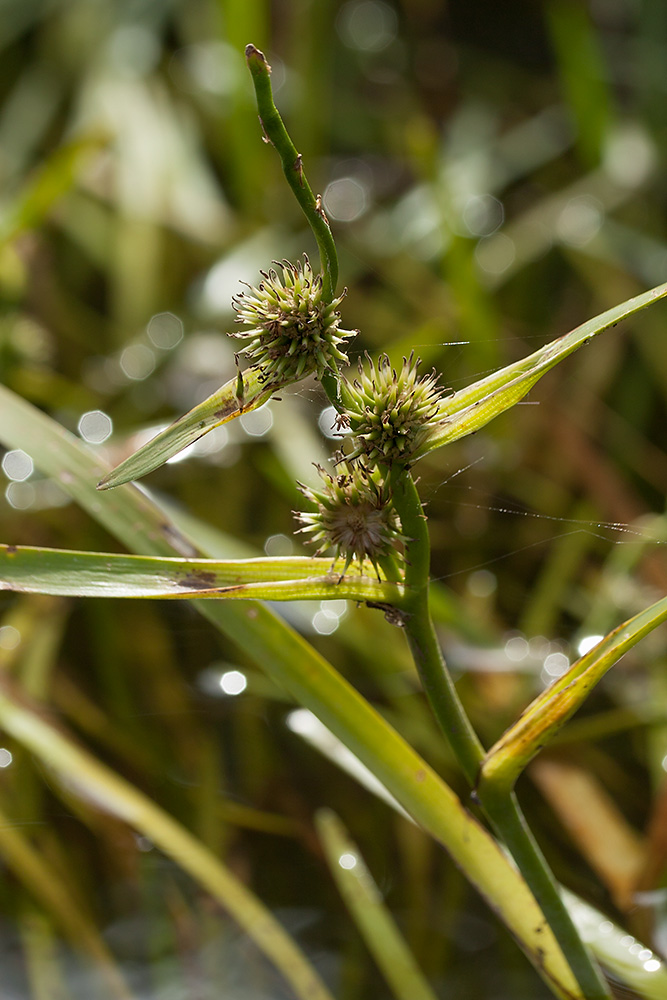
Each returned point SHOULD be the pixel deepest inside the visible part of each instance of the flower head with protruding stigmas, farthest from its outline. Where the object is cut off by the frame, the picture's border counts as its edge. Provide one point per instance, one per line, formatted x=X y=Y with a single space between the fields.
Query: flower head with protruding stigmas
x=392 y=414
x=293 y=331
x=354 y=515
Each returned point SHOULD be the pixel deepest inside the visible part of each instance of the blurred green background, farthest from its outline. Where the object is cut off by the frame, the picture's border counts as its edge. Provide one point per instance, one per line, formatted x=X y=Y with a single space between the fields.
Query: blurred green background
x=494 y=175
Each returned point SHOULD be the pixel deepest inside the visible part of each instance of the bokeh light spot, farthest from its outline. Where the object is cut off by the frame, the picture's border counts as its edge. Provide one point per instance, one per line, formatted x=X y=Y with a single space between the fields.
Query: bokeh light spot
x=165 y=330
x=345 y=199
x=369 y=25
x=95 y=426
x=17 y=465
x=347 y=861
x=10 y=637
x=233 y=682
x=494 y=254
x=137 y=361
x=587 y=643
x=483 y=214
x=278 y=545
x=257 y=423
x=20 y=496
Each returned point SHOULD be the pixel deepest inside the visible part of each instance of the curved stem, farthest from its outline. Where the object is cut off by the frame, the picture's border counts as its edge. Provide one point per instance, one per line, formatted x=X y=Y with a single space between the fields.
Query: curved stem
x=276 y=133
x=436 y=679
x=499 y=805
x=507 y=819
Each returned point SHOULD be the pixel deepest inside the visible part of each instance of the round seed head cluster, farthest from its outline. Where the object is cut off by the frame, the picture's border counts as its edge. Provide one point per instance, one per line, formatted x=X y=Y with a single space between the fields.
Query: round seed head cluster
x=293 y=330
x=392 y=413
x=354 y=515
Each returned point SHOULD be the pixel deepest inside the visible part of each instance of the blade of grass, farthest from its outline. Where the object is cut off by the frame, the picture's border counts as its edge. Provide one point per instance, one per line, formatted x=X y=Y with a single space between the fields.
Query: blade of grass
x=610 y=944
x=239 y=395
x=641 y=969
x=46 y=186
x=49 y=889
x=364 y=901
x=461 y=414
x=584 y=75
x=103 y=574
x=466 y=411
x=542 y=720
x=293 y=664
x=42 y=964
x=82 y=774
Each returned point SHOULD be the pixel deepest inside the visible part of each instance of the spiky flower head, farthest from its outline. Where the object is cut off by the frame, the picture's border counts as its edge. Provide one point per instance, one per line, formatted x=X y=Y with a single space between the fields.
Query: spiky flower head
x=354 y=515
x=392 y=414
x=293 y=330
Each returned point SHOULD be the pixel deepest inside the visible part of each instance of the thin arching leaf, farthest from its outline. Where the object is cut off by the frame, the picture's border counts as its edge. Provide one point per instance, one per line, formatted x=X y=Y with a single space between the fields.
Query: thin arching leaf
x=369 y=911
x=622 y=954
x=461 y=414
x=47 y=185
x=471 y=408
x=87 y=777
x=240 y=395
x=551 y=710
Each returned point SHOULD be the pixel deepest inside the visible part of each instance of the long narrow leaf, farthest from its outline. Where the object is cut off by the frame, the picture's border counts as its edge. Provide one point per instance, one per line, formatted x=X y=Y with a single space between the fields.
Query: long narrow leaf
x=83 y=774
x=223 y=405
x=469 y=409
x=68 y=573
x=296 y=666
x=461 y=414
x=549 y=712
x=364 y=901
x=48 y=887
x=53 y=179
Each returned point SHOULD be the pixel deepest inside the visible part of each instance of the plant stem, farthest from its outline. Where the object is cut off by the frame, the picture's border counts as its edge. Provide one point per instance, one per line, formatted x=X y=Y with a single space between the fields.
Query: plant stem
x=507 y=819
x=276 y=133
x=499 y=805
x=501 y=808
x=436 y=679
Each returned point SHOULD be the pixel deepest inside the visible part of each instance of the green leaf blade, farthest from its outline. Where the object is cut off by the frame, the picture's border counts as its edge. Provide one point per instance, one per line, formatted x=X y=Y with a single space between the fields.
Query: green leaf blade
x=66 y=573
x=364 y=901
x=219 y=408
x=475 y=406
x=83 y=774
x=543 y=719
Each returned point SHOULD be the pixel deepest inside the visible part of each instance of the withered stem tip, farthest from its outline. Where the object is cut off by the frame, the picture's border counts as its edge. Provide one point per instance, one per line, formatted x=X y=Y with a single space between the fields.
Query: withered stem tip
x=251 y=51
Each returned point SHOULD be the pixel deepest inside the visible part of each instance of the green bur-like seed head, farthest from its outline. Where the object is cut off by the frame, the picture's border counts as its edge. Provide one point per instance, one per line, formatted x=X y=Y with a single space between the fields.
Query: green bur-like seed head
x=294 y=331
x=354 y=515
x=392 y=414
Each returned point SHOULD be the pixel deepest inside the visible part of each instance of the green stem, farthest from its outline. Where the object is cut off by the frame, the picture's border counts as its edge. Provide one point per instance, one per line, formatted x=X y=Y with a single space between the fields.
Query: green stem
x=276 y=133
x=436 y=679
x=499 y=805
x=507 y=819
